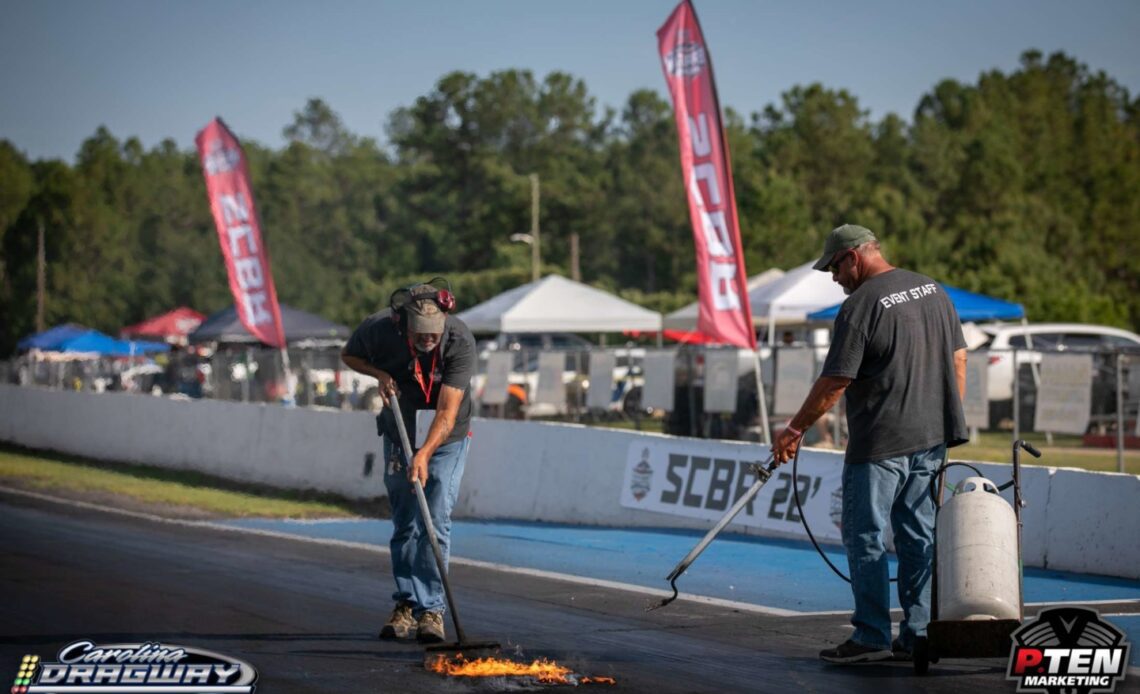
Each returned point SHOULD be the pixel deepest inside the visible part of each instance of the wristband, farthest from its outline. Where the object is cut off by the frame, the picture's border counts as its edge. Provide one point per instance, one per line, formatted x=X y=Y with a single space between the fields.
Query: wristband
x=794 y=430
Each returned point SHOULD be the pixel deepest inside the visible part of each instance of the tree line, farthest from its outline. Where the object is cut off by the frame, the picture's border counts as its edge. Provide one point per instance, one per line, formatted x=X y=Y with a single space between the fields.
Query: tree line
x=1024 y=186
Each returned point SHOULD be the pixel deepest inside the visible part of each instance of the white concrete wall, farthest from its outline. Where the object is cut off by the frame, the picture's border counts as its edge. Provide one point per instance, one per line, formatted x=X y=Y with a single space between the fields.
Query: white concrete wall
x=264 y=444
x=1093 y=523
x=569 y=473
x=1074 y=520
x=536 y=471
x=1035 y=485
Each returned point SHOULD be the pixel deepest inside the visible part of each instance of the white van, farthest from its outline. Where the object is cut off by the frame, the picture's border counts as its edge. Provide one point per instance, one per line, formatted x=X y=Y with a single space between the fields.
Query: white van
x=1031 y=339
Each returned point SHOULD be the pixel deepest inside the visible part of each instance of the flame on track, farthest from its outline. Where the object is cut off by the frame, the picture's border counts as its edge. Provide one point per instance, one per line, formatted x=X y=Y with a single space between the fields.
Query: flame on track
x=542 y=670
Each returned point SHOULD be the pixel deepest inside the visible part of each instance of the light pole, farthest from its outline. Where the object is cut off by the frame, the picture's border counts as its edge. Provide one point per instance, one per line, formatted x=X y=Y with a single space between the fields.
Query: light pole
x=536 y=246
x=41 y=277
x=533 y=237
x=529 y=240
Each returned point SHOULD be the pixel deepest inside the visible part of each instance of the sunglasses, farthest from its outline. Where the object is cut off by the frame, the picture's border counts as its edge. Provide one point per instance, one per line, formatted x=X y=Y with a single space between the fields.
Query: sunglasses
x=833 y=266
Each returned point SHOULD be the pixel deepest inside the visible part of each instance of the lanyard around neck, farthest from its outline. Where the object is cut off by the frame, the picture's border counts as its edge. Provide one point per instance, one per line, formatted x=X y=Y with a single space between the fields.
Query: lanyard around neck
x=418 y=371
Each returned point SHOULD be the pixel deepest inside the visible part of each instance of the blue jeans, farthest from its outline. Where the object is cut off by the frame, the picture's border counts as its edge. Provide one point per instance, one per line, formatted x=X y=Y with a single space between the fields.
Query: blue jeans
x=897 y=489
x=413 y=564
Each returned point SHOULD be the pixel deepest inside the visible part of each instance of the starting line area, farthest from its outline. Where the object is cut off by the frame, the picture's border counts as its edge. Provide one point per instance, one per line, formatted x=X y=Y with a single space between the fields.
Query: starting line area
x=779 y=574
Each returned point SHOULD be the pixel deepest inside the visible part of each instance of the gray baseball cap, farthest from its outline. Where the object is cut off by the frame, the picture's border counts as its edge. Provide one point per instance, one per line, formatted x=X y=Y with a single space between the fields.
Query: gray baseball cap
x=424 y=314
x=840 y=239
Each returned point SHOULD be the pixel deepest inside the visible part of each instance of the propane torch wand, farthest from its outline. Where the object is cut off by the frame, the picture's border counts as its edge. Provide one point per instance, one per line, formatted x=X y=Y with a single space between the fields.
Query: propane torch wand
x=762 y=476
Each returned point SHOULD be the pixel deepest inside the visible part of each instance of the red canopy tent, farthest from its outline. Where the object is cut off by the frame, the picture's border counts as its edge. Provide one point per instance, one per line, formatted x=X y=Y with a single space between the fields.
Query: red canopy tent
x=172 y=326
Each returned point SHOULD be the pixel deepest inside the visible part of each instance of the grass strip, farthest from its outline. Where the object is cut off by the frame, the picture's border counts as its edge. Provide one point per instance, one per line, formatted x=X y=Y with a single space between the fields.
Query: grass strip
x=1064 y=451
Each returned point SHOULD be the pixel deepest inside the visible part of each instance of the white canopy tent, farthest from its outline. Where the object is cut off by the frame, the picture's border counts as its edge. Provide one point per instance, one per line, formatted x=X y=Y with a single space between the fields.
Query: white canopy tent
x=556 y=304
x=685 y=318
x=788 y=300
x=776 y=298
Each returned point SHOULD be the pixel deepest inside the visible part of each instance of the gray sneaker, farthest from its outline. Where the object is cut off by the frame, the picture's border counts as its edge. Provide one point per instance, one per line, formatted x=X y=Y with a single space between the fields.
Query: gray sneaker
x=401 y=624
x=430 y=628
x=851 y=652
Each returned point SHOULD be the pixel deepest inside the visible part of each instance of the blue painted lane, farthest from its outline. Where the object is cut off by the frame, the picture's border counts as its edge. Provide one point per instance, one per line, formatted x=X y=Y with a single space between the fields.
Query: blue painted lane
x=759 y=571
x=1130 y=625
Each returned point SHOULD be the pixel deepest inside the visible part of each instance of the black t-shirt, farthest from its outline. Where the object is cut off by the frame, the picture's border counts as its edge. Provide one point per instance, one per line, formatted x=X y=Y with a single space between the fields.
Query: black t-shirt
x=896 y=336
x=381 y=344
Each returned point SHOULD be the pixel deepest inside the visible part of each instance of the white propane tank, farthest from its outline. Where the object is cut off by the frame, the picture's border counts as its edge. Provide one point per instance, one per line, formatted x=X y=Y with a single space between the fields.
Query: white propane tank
x=976 y=540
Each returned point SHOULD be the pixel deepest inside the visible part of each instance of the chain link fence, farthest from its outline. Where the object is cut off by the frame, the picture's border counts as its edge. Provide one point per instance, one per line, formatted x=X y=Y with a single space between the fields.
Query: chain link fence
x=713 y=390
x=1096 y=397
x=242 y=375
x=1113 y=388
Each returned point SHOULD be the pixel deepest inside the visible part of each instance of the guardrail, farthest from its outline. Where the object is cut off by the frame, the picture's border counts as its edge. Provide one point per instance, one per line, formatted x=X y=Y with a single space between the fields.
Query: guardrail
x=697 y=391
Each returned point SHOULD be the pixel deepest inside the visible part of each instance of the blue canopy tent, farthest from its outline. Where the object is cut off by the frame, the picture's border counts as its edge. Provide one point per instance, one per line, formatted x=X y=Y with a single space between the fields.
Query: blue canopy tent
x=52 y=338
x=970 y=307
x=95 y=342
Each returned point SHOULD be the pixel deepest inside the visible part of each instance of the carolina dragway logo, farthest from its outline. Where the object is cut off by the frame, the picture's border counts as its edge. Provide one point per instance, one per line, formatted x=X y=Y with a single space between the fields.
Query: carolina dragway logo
x=1068 y=649
x=155 y=668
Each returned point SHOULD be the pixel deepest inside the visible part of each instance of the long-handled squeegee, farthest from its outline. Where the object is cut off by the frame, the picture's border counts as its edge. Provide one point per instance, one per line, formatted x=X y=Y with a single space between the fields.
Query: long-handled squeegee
x=462 y=644
x=762 y=476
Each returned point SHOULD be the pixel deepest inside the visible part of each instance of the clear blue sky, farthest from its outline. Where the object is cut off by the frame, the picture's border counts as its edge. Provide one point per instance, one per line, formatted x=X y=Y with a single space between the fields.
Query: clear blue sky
x=161 y=68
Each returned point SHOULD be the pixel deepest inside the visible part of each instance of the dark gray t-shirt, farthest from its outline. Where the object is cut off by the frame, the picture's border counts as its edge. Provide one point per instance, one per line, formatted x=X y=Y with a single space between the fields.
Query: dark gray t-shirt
x=896 y=336
x=379 y=342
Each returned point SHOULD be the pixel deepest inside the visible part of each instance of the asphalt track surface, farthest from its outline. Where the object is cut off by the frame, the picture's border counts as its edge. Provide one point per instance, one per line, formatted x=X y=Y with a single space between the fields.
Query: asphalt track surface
x=305 y=615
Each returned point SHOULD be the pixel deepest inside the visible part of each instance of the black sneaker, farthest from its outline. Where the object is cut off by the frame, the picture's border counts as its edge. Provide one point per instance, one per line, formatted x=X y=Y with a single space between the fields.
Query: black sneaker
x=851 y=652
x=899 y=653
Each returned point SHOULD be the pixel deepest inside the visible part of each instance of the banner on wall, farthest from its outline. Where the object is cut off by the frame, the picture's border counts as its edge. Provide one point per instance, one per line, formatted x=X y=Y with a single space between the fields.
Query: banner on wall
x=721 y=376
x=795 y=374
x=976 y=404
x=724 y=313
x=239 y=233
x=702 y=479
x=498 y=378
x=659 y=368
x=1064 y=399
x=550 y=389
x=601 y=390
